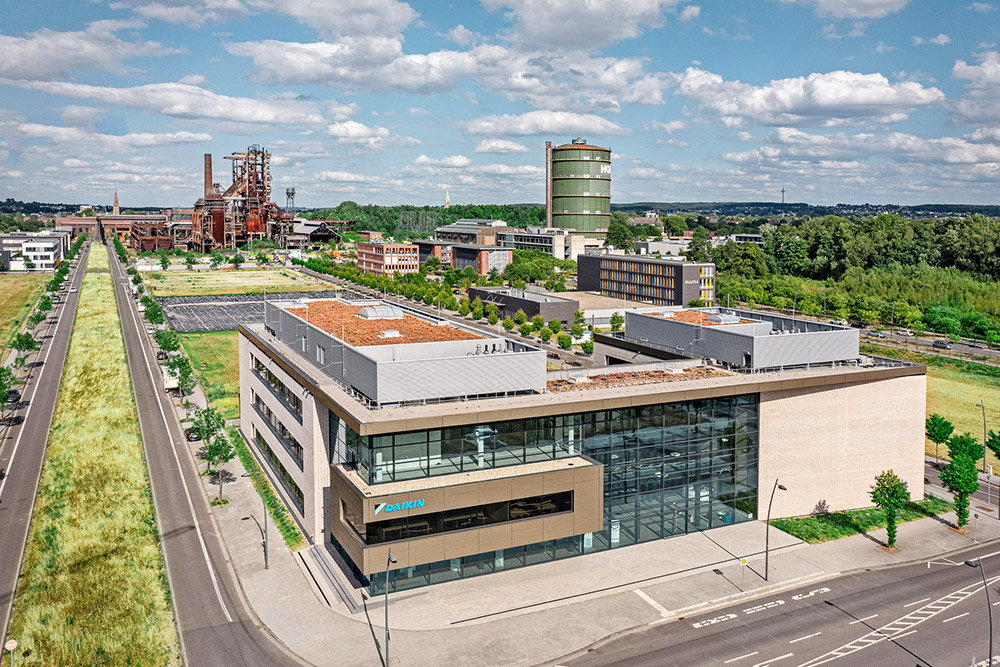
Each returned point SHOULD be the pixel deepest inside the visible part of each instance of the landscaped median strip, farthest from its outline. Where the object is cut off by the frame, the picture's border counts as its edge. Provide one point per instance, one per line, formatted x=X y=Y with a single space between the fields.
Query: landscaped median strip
x=92 y=588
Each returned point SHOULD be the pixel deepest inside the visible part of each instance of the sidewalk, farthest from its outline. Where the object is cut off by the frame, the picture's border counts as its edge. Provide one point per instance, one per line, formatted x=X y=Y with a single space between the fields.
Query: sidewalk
x=537 y=614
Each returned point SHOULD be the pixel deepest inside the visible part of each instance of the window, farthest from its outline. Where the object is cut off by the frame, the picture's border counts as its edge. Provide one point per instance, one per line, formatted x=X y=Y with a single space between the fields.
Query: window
x=459 y=519
x=321 y=355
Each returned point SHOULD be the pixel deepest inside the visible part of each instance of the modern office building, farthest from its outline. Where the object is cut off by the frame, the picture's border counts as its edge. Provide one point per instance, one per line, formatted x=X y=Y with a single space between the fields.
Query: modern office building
x=386 y=428
x=660 y=282
x=483 y=259
x=510 y=300
x=472 y=231
x=556 y=242
x=36 y=251
x=434 y=248
x=578 y=187
x=385 y=259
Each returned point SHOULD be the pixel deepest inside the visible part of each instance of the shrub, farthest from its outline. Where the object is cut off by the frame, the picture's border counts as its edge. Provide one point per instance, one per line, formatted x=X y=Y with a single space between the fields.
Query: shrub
x=565 y=342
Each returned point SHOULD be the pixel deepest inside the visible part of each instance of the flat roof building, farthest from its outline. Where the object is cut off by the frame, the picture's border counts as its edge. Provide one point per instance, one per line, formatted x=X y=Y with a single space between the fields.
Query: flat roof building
x=384 y=259
x=552 y=241
x=384 y=427
x=510 y=300
x=483 y=259
x=33 y=251
x=657 y=281
x=473 y=231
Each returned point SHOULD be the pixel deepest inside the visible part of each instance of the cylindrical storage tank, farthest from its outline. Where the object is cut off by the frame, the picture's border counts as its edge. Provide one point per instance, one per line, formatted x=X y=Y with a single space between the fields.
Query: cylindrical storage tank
x=581 y=187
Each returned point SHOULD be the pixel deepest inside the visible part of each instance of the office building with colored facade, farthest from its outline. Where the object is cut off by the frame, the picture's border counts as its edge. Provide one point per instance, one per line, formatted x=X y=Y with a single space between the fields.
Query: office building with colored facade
x=657 y=281
x=387 y=428
x=384 y=259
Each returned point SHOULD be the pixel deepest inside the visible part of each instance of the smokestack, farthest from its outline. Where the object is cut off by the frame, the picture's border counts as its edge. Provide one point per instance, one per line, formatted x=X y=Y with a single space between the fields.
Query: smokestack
x=208 y=174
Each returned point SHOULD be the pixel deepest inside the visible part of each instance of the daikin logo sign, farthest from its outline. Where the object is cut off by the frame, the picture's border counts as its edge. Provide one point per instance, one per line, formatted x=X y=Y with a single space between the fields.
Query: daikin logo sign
x=397 y=507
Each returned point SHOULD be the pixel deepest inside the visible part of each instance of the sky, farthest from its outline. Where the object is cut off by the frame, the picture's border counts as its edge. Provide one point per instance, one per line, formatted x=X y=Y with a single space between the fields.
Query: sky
x=391 y=102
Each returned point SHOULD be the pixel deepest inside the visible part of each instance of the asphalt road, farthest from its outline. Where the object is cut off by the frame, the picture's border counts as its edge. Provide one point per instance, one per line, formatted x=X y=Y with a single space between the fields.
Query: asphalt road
x=22 y=450
x=215 y=624
x=906 y=615
x=926 y=345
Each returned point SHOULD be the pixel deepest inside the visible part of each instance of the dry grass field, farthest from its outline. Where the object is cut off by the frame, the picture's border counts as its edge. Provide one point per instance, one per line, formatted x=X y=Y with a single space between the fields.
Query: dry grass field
x=229 y=281
x=92 y=588
x=19 y=293
x=97 y=260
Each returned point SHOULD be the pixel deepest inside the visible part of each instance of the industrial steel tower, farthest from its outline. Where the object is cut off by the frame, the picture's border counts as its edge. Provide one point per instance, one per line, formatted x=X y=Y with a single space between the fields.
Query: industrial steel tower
x=578 y=187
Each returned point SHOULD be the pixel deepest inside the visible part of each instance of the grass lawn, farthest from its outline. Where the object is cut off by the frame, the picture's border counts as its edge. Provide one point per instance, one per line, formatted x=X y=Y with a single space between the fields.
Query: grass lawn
x=219 y=351
x=825 y=527
x=243 y=281
x=92 y=587
x=97 y=260
x=953 y=389
x=20 y=291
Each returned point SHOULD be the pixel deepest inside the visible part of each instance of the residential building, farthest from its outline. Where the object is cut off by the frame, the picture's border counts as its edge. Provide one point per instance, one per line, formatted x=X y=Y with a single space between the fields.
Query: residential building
x=553 y=241
x=642 y=278
x=385 y=259
x=468 y=230
x=386 y=428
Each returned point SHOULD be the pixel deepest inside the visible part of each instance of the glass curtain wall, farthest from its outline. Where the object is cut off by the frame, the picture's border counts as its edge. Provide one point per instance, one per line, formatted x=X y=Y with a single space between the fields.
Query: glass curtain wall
x=668 y=469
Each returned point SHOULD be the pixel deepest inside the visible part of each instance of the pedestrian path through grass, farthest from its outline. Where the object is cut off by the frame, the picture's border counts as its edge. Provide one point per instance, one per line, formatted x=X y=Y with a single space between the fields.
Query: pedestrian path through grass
x=92 y=589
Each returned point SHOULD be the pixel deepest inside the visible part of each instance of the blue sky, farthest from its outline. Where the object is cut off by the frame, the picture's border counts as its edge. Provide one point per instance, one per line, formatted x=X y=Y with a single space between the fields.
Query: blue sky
x=387 y=102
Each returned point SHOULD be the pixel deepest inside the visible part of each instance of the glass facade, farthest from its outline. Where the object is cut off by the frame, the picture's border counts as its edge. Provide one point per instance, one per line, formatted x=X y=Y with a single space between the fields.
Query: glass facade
x=669 y=469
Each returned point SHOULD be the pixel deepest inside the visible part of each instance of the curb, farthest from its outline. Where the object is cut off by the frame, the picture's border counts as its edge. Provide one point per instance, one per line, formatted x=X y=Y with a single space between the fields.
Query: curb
x=719 y=603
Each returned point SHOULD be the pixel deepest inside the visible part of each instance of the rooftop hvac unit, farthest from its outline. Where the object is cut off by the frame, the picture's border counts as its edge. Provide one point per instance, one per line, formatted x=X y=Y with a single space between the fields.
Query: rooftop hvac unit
x=390 y=333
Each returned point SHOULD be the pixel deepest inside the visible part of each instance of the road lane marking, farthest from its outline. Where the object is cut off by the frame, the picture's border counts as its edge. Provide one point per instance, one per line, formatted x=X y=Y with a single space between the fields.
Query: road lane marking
x=948 y=620
x=762 y=607
x=806 y=637
x=726 y=662
x=173 y=448
x=712 y=621
x=914 y=603
x=653 y=603
x=902 y=626
x=768 y=662
x=863 y=619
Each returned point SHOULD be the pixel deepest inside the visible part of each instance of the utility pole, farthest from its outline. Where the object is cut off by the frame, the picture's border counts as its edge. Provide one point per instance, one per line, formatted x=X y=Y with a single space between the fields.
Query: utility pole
x=782 y=195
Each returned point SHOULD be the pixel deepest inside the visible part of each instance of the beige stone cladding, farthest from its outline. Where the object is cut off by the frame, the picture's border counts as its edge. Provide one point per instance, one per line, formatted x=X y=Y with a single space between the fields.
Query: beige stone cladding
x=826 y=444
x=585 y=478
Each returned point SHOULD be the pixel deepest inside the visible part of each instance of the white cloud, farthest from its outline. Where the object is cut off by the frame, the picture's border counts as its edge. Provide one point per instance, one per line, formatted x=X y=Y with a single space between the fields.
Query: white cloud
x=858 y=29
x=450 y=161
x=568 y=24
x=854 y=9
x=983 y=7
x=985 y=74
x=106 y=143
x=940 y=40
x=73 y=163
x=462 y=35
x=344 y=177
x=979 y=104
x=48 y=53
x=688 y=13
x=670 y=126
x=540 y=123
x=81 y=116
x=882 y=47
x=193 y=14
x=500 y=147
x=180 y=100
x=417 y=111
x=384 y=18
x=830 y=99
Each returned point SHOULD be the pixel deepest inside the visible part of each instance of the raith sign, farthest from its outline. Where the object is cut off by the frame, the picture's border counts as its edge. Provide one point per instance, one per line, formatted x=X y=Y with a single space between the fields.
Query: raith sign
x=397 y=507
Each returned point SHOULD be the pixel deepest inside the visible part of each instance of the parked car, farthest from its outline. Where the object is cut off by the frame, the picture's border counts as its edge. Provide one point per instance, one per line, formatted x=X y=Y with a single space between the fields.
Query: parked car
x=190 y=435
x=13 y=396
x=878 y=334
x=149 y=330
x=161 y=355
x=905 y=332
x=72 y=289
x=942 y=345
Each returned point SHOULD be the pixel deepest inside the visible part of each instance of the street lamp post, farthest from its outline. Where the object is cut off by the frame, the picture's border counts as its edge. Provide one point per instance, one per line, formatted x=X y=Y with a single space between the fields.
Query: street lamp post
x=767 y=527
x=989 y=607
x=982 y=404
x=263 y=504
x=389 y=561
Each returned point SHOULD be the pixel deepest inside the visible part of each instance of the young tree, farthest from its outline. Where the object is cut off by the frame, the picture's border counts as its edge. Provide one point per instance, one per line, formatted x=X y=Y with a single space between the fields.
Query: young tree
x=216 y=259
x=508 y=322
x=189 y=260
x=579 y=318
x=938 y=430
x=617 y=320
x=545 y=334
x=555 y=326
x=537 y=322
x=587 y=346
x=45 y=304
x=993 y=443
x=520 y=317
x=889 y=493
x=36 y=318
x=960 y=476
x=24 y=343
x=432 y=263
x=565 y=342
x=463 y=307
x=208 y=424
x=236 y=260
x=180 y=368
x=526 y=329
x=7 y=382
x=164 y=260
x=218 y=452
x=167 y=340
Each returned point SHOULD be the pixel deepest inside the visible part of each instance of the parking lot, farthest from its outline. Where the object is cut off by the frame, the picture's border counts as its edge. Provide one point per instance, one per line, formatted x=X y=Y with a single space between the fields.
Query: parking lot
x=226 y=312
